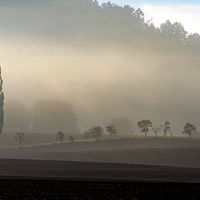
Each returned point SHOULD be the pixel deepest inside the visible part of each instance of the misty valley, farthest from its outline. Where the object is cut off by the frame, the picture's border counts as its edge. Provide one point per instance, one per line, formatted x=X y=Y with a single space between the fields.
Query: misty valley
x=96 y=95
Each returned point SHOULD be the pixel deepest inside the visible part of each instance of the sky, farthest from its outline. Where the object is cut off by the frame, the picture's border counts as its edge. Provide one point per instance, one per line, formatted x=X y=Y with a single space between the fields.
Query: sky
x=186 y=12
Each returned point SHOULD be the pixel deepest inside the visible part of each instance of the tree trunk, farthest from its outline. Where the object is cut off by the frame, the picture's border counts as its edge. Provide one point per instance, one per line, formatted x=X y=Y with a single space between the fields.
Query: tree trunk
x=171 y=133
x=145 y=134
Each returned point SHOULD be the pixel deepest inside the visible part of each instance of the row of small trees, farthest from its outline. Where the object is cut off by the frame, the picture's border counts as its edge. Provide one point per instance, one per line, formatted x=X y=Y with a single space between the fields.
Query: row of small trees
x=20 y=137
x=61 y=135
x=144 y=125
x=72 y=20
x=96 y=132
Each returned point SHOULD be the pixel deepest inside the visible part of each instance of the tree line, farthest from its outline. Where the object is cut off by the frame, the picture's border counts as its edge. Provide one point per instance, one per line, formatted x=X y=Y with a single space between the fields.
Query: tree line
x=87 y=20
x=52 y=115
x=96 y=131
x=45 y=116
x=144 y=125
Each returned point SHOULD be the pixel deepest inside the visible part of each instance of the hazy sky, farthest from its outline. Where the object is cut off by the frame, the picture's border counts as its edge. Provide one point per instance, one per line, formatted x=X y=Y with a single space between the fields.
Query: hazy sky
x=185 y=11
x=103 y=82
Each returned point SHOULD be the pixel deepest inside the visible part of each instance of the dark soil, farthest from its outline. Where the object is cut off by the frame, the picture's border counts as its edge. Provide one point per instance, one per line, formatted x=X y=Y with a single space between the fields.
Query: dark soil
x=69 y=169
x=39 y=179
x=55 y=188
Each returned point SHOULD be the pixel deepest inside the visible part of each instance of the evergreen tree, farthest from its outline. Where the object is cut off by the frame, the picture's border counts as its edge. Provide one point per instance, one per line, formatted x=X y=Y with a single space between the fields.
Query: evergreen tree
x=1 y=103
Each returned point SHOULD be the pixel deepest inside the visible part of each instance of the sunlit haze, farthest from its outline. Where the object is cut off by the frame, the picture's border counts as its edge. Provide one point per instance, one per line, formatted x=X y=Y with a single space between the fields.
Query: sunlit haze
x=102 y=81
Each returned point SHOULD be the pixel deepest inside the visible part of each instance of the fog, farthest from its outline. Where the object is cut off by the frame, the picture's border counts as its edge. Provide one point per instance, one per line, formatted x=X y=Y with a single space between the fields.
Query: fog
x=100 y=60
x=103 y=82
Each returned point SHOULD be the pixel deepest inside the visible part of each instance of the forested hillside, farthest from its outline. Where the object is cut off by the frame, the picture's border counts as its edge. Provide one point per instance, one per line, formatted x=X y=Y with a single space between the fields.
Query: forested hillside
x=88 y=21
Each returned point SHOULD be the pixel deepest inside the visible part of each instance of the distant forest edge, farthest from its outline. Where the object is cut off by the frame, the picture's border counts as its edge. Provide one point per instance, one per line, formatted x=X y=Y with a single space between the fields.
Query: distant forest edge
x=45 y=116
x=54 y=115
x=89 y=22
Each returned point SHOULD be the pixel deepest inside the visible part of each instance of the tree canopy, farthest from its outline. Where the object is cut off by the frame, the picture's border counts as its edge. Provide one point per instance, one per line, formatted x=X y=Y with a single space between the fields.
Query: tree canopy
x=111 y=130
x=17 y=117
x=52 y=115
x=89 y=21
x=189 y=129
x=96 y=132
x=60 y=136
x=144 y=125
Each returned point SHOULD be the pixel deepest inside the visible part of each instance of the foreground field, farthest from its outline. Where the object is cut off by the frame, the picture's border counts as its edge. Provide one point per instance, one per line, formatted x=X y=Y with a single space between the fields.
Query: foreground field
x=110 y=169
x=150 y=151
x=36 y=179
x=26 y=188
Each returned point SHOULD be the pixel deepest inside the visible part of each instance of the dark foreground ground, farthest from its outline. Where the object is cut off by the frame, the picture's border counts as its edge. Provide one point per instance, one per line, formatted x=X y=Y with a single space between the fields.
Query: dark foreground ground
x=39 y=179
x=130 y=168
x=62 y=188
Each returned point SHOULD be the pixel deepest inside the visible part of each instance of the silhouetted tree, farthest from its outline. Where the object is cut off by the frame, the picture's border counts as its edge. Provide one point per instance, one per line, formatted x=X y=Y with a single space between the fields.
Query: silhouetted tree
x=108 y=22
x=54 y=115
x=1 y=103
x=144 y=125
x=166 y=128
x=96 y=132
x=112 y=130
x=87 y=134
x=20 y=137
x=174 y=32
x=189 y=129
x=71 y=138
x=193 y=43
x=17 y=117
x=60 y=136
x=156 y=130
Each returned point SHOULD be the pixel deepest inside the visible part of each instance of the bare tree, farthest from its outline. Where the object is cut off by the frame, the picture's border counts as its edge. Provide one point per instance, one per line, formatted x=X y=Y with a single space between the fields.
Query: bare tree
x=20 y=137
x=166 y=128
x=156 y=130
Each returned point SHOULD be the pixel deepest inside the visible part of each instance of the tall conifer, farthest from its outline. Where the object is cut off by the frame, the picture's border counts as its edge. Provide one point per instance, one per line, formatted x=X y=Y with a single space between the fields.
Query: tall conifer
x=1 y=103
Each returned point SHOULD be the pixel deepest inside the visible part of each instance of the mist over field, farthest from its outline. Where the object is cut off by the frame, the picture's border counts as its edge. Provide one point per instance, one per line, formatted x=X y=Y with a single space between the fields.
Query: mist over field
x=102 y=80
x=104 y=83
